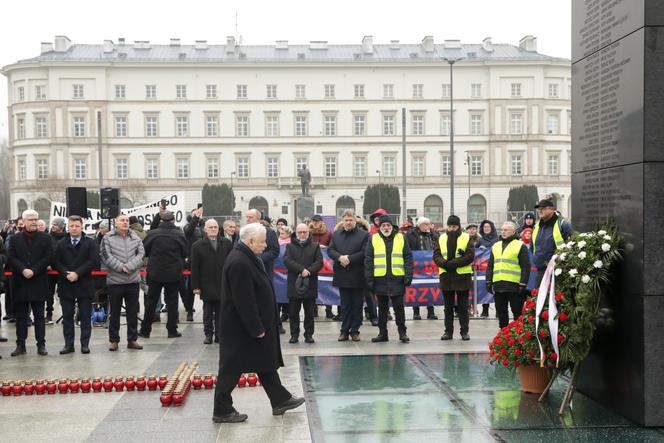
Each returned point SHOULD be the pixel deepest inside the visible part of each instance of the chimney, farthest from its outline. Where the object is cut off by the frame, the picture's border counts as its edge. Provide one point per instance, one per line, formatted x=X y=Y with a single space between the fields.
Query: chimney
x=175 y=42
x=427 y=43
x=121 y=40
x=528 y=43
x=281 y=44
x=46 y=47
x=62 y=43
x=367 y=44
x=394 y=44
x=142 y=44
x=230 y=44
x=201 y=44
x=108 y=46
x=487 y=45
x=452 y=44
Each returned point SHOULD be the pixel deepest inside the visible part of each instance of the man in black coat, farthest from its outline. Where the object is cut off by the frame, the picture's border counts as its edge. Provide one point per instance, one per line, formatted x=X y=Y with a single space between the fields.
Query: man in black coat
x=193 y=231
x=304 y=260
x=422 y=238
x=75 y=257
x=207 y=263
x=166 y=248
x=347 y=249
x=249 y=334
x=30 y=253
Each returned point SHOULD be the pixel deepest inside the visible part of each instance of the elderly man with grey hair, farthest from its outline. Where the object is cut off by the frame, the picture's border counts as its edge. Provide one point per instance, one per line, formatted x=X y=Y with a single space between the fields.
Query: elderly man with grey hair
x=422 y=238
x=508 y=272
x=249 y=332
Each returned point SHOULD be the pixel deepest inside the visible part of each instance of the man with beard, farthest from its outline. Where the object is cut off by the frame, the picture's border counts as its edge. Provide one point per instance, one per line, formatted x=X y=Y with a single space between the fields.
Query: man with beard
x=422 y=238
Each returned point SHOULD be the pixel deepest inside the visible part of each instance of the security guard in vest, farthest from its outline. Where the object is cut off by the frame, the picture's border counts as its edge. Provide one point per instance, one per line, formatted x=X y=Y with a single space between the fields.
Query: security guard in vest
x=507 y=273
x=454 y=256
x=388 y=264
x=550 y=232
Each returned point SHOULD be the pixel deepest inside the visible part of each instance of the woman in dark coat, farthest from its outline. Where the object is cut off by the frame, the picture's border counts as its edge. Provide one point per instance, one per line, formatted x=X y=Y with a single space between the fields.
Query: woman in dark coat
x=488 y=237
x=249 y=333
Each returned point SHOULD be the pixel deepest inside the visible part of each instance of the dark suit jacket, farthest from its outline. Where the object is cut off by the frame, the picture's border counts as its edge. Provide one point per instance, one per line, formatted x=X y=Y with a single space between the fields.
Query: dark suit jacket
x=207 y=266
x=81 y=259
x=37 y=255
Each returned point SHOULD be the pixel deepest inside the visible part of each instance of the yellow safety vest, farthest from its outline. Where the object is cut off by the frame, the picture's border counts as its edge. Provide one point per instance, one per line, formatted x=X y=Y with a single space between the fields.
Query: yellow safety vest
x=506 y=263
x=380 y=255
x=557 y=234
x=462 y=244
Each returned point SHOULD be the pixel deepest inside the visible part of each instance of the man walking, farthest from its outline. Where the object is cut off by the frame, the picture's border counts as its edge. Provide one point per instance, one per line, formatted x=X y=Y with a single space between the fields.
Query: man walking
x=75 y=258
x=550 y=232
x=388 y=270
x=30 y=254
x=454 y=255
x=207 y=263
x=166 y=249
x=122 y=256
x=304 y=260
x=507 y=273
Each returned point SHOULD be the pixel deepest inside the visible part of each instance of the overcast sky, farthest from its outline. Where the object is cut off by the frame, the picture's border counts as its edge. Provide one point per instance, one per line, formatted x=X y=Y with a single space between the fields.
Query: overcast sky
x=24 y=24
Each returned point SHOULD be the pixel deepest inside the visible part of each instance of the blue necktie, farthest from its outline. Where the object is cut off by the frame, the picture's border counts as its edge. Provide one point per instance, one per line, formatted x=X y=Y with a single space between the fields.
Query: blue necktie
x=74 y=241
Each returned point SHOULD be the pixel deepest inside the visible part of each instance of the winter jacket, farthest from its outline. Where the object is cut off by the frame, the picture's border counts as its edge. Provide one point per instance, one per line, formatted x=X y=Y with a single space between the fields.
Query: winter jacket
x=546 y=245
x=207 y=265
x=450 y=280
x=321 y=236
x=36 y=255
x=192 y=232
x=117 y=252
x=421 y=241
x=352 y=243
x=299 y=257
x=524 y=226
x=524 y=263
x=486 y=240
x=390 y=284
x=166 y=248
x=81 y=259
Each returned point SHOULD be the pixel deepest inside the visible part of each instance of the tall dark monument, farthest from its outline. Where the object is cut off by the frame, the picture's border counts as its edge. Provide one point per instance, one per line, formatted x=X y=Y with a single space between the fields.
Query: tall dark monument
x=618 y=171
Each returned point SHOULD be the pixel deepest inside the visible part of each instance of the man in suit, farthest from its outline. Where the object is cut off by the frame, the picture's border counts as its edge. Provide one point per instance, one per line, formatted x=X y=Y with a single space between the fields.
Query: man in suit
x=30 y=253
x=75 y=257
x=249 y=332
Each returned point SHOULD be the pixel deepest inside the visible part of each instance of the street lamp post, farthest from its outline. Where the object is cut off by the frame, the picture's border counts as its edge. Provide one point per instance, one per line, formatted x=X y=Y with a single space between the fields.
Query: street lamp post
x=380 y=203
x=232 y=174
x=468 y=203
x=451 y=62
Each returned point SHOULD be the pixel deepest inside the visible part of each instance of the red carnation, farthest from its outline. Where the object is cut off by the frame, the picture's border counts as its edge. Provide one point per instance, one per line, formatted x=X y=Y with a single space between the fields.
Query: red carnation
x=560 y=338
x=506 y=362
x=516 y=363
x=491 y=354
x=518 y=352
x=523 y=309
x=511 y=342
x=529 y=335
x=553 y=356
x=521 y=340
x=535 y=291
x=543 y=333
x=503 y=351
x=545 y=315
x=563 y=316
x=531 y=354
x=531 y=318
x=560 y=296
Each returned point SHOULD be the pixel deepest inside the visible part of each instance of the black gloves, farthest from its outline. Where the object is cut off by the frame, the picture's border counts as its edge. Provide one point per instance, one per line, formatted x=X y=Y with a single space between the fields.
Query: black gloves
x=489 y=287
x=407 y=281
x=523 y=290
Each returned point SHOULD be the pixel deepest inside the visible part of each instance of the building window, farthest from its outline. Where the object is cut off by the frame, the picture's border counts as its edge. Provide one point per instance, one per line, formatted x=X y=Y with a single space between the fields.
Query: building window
x=301 y=162
x=330 y=166
x=515 y=89
x=516 y=164
x=182 y=126
x=241 y=91
x=20 y=94
x=150 y=92
x=121 y=126
x=300 y=125
x=516 y=123
x=445 y=124
x=418 y=91
x=553 y=164
x=20 y=128
x=476 y=124
x=359 y=125
x=330 y=125
x=210 y=91
x=358 y=91
x=152 y=168
x=388 y=91
x=553 y=90
x=79 y=126
x=40 y=92
x=121 y=168
x=271 y=91
x=243 y=167
x=476 y=90
x=151 y=126
x=181 y=92
x=445 y=165
x=388 y=124
x=300 y=91
x=476 y=208
x=242 y=126
x=21 y=169
x=41 y=127
x=476 y=165
x=78 y=91
x=42 y=169
x=446 y=90
x=212 y=125
x=271 y=125
x=182 y=165
x=212 y=167
x=120 y=91
x=553 y=123
x=273 y=167
x=417 y=124
x=418 y=166
x=80 y=169
x=389 y=166
x=359 y=166
x=329 y=91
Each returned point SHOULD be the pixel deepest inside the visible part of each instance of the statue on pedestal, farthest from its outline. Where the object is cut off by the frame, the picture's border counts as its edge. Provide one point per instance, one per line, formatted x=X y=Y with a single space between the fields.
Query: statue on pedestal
x=305 y=179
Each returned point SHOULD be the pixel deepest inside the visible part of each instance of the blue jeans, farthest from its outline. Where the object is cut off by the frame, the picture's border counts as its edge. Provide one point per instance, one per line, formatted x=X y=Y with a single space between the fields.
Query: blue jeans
x=352 y=301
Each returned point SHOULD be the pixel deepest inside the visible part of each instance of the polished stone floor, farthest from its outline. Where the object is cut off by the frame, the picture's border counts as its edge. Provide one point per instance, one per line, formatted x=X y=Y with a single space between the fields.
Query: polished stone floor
x=356 y=392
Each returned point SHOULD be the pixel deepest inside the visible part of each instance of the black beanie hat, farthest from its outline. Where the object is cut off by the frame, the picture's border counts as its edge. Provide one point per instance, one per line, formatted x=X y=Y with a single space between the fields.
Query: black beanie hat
x=453 y=220
x=385 y=219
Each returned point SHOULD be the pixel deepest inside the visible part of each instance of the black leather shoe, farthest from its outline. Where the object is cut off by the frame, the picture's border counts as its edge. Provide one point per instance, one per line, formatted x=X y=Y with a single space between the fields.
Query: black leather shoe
x=309 y=340
x=380 y=338
x=233 y=417
x=4 y=339
x=190 y=316
x=143 y=334
x=291 y=403
x=41 y=350
x=174 y=334
x=293 y=339
x=404 y=338
x=20 y=350
x=208 y=340
x=417 y=317
x=329 y=314
x=432 y=317
x=336 y=318
x=216 y=339
x=66 y=350
x=446 y=336
x=465 y=337
x=343 y=337
x=85 y=350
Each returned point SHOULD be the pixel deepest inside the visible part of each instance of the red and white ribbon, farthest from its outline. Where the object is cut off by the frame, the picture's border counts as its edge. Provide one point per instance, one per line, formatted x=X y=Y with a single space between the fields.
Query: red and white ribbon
x=548 y=287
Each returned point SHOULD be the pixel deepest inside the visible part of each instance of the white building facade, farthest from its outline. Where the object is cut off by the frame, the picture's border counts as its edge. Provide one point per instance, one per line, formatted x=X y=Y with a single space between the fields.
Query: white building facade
x=175 y=117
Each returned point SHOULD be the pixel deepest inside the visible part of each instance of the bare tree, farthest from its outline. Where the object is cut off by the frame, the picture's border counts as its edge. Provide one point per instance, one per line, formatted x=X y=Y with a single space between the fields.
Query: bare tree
x=134 y=191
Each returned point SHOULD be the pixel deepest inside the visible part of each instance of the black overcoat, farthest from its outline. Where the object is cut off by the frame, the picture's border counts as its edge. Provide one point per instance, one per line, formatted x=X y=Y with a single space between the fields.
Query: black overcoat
x=81 y=259
x=352 y=243
x=37 y=255
x=298 y=257
x=207 y=266
x=166 y=248
x=248 y=308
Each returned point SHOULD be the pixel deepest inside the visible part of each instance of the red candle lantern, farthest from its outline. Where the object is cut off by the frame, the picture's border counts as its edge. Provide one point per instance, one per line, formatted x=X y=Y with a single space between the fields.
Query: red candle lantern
x=252 y=380
x=208 y=382
x=166 y=399
x=197 y=382
x=178 y=399
x=29 y=387
x=119 y=384
x=74 y=386
x=141 y=383
x=40 y=387
x=97 y=385
x=6 y=388
x=242 y=382
x=163 y=380
x=152 y=383
x=63 y=386
x=108 y=384
x=51 y=387
x=17 y=389
x=130 y=384
x=86 y=385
